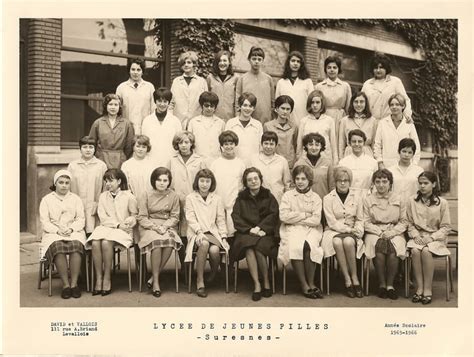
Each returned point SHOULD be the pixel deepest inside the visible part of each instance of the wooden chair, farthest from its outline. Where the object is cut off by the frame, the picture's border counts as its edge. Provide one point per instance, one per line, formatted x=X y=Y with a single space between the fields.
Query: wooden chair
x=142 y=270
x=223 y=254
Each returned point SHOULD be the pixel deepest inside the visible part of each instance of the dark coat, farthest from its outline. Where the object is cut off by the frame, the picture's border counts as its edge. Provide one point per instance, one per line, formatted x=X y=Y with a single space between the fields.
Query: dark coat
x=261 y=210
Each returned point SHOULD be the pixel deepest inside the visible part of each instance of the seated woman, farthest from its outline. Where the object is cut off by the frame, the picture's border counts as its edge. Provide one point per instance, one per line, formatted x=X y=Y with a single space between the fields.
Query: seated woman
x=158 y=222
x=206 y=227
x=117 y=212
x=301 y=230
x=345 y=228
x=62 y=219
x=255 y=216
x=384 y=224
x=428 y=229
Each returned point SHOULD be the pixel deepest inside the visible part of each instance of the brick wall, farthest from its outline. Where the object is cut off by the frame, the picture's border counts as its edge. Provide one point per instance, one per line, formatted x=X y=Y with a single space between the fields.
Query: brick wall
x=174 y=53
x=311 y=56
x=44 y=82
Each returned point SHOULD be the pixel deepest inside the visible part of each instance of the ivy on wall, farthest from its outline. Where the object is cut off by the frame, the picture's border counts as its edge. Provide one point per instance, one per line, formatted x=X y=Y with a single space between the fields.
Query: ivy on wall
x=435 y=80
x=206 y=37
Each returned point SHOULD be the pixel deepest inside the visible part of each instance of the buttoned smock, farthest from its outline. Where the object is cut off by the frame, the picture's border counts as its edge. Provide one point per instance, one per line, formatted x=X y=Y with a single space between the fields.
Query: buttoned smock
x=342 y=217
x=383 y=213
x=429 y=221
x=58 y=212
x=112 y=212
x=296 y=229
x=158 y=209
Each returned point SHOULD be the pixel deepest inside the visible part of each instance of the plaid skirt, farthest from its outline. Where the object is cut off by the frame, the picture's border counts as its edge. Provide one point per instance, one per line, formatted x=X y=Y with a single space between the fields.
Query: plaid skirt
x=160 y=243
x=63 y=247
x=384 y=246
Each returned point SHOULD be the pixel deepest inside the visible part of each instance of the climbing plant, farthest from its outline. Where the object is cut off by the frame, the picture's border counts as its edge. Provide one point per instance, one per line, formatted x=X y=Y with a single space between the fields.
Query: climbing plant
x=435 y=79
x=206 y=37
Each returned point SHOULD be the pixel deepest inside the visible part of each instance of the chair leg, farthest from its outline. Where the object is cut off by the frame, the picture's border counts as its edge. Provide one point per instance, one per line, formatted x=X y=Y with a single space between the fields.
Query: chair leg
x=40 y=275
x=451 y=275
x=226 y=272
x=129 y=267
x=50 y=279
x=407 y=277
x=321 y=279
x=236 y=270
x=273 y=262
x=447 y=277
x=367 y=271
x=140 y=274
x=284 y=279
x=176 y=258
x=190 y=272
x=88 y=286
x=136 y=254
x=328 y=268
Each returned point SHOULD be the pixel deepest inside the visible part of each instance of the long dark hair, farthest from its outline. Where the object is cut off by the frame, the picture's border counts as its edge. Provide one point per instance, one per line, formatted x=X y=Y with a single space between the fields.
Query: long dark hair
x=303 y=72
x=434 y=198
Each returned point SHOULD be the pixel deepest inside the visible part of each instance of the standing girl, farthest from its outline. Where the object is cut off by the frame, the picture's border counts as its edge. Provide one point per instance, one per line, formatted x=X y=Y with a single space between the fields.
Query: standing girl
x=186 y=89
x=296 y=83
x=62 y=219
x=86 y=180
x=114 y=134
x=428 y=229
x=138 y=168
x=248 y=129
x=359 y=117
x=117 y=214
x=158 y=220
x=184 y=165
x=301 y=231
x=206 y=227
x=391 y=130
x=337 y=93
x=222 y=81
x=318 y=122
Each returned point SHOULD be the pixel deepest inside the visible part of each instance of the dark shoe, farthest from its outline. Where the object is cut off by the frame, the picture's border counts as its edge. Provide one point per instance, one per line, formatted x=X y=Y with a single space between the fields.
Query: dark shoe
x=149 y=285
x=201 y=292
x=66 y=293
x=256 y=296
x=310 y=294
x=382 y=293
x=317 y=292
x=350 y=291
x=417 y=298
x=266 y=293
x=392 y=294
x=157 y=293
x=106 y=292
x=426 y=300
x=358 y=291
x=96 y=292
x=76 y=292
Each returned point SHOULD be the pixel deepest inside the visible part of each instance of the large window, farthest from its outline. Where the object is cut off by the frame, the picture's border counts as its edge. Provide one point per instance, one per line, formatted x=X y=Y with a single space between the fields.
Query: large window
x=94 y=62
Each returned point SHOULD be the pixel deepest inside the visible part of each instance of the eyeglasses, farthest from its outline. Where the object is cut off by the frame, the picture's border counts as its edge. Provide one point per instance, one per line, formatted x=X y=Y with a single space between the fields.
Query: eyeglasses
x=207 y=105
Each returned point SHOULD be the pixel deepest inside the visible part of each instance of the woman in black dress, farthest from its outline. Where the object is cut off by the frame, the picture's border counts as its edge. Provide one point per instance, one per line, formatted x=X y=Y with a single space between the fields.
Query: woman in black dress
x=255 y=217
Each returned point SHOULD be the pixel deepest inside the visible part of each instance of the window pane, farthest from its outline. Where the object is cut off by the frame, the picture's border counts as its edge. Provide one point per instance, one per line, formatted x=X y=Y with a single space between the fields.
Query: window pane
x=77 y=117
x=276 y=52
x=127 y=36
